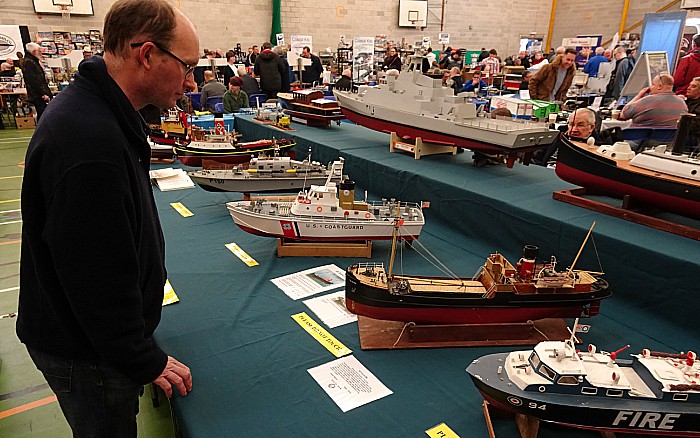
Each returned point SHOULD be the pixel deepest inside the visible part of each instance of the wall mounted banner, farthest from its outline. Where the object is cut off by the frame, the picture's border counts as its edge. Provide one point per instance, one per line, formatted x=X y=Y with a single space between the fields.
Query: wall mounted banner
x=10 y=41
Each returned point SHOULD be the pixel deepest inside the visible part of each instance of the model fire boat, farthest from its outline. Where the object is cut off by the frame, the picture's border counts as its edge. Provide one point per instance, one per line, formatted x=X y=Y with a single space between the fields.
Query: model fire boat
x=414 y=105
x=499 y=293
x=654 y=393
x=223 y=146
x=310 y=107
x=328 y=213
x=266 y=174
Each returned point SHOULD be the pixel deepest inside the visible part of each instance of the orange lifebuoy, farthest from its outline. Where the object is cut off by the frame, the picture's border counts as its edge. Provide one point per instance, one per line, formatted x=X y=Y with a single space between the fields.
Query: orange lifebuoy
x=319 y=209
x=367 y=215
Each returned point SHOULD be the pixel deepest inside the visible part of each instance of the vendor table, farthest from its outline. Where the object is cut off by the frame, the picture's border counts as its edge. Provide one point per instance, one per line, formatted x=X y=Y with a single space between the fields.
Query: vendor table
x=249 y=359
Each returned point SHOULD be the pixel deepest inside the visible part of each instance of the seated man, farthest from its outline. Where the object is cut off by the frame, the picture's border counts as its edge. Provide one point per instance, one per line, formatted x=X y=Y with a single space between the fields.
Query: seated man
x=693 y=101
x=345 y=81
x=593 y=64
x=250 y=85
x=211 y=88
x=454 y=80
x=660 y=109
x=580 y=126
x=525 y=83
x=235 y=98
x=476 y=84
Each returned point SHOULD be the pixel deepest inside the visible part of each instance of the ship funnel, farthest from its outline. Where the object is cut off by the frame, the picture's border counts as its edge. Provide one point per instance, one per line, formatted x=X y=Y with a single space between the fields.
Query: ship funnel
x=526 y=265
x=346 y=194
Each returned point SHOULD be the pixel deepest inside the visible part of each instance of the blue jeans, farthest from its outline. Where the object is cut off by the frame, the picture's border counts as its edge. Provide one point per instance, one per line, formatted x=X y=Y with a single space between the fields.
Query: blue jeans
x=96 y=399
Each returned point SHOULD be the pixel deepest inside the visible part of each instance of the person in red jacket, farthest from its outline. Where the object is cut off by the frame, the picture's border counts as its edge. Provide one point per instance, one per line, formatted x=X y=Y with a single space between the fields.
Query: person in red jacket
x=688 y=67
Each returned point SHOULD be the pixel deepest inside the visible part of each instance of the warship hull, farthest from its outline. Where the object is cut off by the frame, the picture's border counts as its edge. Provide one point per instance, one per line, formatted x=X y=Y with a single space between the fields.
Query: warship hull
x=578 y=164
x=193 y=153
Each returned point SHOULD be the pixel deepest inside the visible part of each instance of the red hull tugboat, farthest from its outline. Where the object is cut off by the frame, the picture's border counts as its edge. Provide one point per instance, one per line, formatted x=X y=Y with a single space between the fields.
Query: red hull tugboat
x=310 y=107
x=223 y=147
x=654 y=393
x=499 y=293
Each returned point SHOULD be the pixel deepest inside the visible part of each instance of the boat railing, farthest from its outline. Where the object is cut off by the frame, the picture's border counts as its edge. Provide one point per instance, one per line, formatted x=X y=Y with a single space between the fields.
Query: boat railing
x=493 y=125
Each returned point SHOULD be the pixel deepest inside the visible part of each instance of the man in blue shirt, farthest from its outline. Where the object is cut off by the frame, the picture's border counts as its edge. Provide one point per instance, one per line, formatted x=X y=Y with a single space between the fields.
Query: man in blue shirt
x=476 y=84
x=593 y=64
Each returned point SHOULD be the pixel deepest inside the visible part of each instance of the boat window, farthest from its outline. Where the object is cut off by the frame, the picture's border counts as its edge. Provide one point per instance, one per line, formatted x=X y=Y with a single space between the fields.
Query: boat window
x=535 y=360
x=568 y=380
x=614 y=393
x=547 y=371
x=589 y=391
x=680 y=397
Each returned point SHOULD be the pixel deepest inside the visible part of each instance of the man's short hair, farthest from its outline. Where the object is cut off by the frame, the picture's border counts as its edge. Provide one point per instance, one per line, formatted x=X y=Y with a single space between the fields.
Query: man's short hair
x=696 y=78
x=599 y=50
x=229 y=54
x=266 y=45
x=208 y=75
x=347 y=72
x=696 y=40
x=257 y=46
x=242 y=71
x=306 y=48
x=454 y=70
x=493 y=52
x=32 y=47
x=235 y=81
x=501 y=112
x=666 y=79
x=526 y=73
x=560 y=50
x=569 y=50
x=5 y=66
x=585 y=112
x=279 y=50
x=477 y=73
x=145 y=20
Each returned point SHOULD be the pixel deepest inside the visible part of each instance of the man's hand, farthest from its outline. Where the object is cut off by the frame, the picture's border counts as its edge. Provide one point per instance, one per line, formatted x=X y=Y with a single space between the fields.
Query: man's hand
x=45 y=98
x=175 y=373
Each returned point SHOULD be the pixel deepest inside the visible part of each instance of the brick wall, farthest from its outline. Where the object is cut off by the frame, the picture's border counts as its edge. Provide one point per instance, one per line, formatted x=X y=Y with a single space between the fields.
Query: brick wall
x=471 y=24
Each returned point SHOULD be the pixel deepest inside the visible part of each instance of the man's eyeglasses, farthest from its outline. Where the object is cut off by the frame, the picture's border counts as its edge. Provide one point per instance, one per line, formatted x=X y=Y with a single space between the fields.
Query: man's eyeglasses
x=189 y=69
x=579 y=125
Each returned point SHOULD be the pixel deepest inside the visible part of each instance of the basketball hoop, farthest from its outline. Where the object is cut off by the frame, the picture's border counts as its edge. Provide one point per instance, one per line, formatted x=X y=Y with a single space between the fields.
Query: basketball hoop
x=65 y=12
x=418 y=24
x=65 y=6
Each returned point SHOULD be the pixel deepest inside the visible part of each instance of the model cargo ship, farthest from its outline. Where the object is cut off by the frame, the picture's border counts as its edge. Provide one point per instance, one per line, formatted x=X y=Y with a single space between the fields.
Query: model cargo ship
x=499 y=293
x=223 y=146
x=328 y=212
x=266 y=174
x=311 y=107
x=654 y=393
x=414 y=105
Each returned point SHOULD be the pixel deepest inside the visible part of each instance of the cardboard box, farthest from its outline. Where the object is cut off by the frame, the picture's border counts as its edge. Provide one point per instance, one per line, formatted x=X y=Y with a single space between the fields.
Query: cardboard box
x=520 y=109
x=25 y=122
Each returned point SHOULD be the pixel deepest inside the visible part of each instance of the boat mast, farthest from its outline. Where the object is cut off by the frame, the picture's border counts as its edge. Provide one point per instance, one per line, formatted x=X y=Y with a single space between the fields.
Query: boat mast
x=397 y=224
x=571 y=269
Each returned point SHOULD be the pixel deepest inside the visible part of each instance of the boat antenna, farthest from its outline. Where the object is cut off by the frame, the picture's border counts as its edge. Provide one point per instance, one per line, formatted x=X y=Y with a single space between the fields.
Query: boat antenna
x=571 y=269
x=397 y=223
x=572 y=339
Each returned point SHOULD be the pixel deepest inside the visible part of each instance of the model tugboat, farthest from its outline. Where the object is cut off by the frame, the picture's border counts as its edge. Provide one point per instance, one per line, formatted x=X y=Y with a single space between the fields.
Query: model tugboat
x=310 y=107
x=414 y=105
x=499 y=293
x=173 y=127
x=654 y=393
x=328 y=212
x=266 y=174
x=223 y=146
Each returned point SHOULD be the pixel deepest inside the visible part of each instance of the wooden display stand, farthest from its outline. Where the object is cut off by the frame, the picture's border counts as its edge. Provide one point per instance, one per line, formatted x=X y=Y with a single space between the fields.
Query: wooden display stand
x=293 y=248
x=528 y=426
x=420 y=148
x=576 y=197
x=25 y=122
x=378 y=335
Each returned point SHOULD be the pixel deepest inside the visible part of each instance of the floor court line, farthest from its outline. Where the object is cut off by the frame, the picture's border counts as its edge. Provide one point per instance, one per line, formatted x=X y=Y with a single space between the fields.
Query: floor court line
x=27 y=406
x=10 y=200
x=25 y=391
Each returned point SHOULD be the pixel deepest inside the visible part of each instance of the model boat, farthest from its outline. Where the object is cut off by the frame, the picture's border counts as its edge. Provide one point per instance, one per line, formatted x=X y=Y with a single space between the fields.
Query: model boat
x=160 y=151
x=266 y=174
x=328 y=212
x=499 y=293
x=223 y=146
x=663 y=177
x=311 y=107
x=414 y=105
x=174 y=126
x=654 y=393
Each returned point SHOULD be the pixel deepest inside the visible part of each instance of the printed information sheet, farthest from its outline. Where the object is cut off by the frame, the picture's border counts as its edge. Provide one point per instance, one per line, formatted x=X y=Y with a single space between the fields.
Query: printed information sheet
x=349 y=383
x=331 y=309
x=310 y=282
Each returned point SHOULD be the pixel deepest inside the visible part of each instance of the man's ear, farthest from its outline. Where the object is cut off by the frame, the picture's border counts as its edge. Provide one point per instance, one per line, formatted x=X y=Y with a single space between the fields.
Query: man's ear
x=146 y=56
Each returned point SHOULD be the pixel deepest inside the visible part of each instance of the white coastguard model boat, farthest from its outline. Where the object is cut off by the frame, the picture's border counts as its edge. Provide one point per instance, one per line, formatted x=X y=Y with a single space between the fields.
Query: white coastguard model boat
x=654 y=393
x=328 y=213
x=414 y=105
x=267 y=174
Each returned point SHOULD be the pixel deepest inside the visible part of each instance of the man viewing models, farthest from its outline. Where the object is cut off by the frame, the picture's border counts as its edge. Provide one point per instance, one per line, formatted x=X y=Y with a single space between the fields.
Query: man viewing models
x=554 y=79
x=92 y=267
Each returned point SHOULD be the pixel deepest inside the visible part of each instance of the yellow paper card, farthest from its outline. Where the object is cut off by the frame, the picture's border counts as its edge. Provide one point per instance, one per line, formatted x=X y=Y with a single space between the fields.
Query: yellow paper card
x=321 y=335
x=184 y=212
x=248 y=260
x=441 y=431
x=169 y=295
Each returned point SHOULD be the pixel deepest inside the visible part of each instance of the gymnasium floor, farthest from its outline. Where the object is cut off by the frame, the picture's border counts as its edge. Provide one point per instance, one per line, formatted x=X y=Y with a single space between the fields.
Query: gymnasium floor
x=28 y=408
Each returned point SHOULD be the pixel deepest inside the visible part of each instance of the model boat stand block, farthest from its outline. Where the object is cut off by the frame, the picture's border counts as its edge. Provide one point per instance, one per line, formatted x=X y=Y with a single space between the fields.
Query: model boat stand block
x=576 y=197
x=379 y=335
x=528 y=426
x=419 y=148
x=294 y=248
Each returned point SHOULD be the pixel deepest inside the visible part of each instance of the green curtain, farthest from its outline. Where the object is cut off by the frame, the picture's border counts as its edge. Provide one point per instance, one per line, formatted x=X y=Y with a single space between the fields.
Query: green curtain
x=276 y=21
